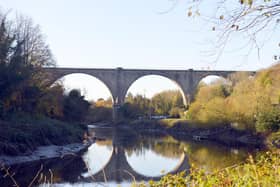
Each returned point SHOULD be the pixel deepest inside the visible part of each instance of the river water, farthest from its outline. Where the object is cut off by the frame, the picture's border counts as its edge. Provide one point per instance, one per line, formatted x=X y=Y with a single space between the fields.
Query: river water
x=120 y=157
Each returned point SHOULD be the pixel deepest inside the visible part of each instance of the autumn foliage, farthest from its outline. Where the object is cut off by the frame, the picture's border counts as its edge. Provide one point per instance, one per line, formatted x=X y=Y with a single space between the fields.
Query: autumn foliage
x=252 y=102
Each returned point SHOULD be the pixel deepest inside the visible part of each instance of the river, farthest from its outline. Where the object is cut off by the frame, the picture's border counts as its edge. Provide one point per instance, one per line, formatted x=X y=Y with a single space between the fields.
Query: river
x=122 y=156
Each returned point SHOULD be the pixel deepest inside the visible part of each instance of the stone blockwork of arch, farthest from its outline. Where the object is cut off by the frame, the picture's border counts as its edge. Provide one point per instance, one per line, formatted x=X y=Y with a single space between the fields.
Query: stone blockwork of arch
x=106 y=76
x=119 y=80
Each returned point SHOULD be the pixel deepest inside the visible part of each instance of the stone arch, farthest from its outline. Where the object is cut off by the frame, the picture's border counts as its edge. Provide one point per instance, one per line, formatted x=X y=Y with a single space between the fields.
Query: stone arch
x=202 y=74
x=213 y=73
x=55 y=76
x=213 y=77
x=162 y=75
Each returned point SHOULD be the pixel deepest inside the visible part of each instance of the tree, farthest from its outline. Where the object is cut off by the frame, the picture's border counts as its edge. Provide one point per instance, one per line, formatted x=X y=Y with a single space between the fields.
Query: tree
x=238 y=77
x=103 y=103
x=23 y=53
x=51 y=103
x=168 y=102
x=75 y=107
x=268 y=119
x=210 y=104
x=136 y=106
x=34 y=48
x=254 y=19
x=164 y=101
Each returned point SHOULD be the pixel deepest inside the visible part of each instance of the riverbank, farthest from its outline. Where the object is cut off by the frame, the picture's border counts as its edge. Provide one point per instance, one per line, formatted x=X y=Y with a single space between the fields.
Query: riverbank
x=23 y=135
x=262 y=171
x=184 y=129
x=43 y=153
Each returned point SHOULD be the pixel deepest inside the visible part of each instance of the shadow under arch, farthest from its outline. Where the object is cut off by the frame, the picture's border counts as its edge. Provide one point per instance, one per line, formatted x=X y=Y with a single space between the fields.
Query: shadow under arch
x=59 y=80
x=158 y=75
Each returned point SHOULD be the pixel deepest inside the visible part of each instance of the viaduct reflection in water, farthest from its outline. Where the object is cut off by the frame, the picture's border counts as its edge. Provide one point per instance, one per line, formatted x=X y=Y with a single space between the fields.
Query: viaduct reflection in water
x=118 y=168
x=121 y=147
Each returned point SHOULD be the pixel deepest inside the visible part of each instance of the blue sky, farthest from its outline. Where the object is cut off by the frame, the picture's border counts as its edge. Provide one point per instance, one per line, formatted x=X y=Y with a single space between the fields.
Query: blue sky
x=133 y=34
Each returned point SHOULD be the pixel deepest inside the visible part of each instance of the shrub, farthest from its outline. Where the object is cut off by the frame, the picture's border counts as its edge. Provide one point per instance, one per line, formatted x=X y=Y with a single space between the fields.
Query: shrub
x=176 y=112
x=264 y=171
x=268 y=120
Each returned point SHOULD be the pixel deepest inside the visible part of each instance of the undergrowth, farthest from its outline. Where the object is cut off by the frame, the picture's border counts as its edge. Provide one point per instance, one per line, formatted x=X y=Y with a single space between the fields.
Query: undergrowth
x=23 y=134
x=264 y=171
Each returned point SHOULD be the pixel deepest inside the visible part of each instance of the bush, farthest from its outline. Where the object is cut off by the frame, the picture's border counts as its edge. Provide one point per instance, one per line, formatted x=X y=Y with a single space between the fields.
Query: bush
x=27 y=132
x=176 y=112
x=268 y=120
x=99 y=114
x=75 y=107
x=130 y=111
x=261 y=172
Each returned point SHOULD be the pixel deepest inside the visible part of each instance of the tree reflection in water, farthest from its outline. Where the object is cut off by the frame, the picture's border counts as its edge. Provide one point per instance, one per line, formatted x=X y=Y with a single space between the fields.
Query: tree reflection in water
x=140 y=151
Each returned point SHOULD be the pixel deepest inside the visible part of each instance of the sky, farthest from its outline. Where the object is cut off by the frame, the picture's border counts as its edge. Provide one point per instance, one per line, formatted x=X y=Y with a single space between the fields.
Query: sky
x=149 y=34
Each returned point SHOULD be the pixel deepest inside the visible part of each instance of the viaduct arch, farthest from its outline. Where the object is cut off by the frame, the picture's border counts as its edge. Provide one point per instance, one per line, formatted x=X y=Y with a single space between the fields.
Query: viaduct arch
x=119 y=80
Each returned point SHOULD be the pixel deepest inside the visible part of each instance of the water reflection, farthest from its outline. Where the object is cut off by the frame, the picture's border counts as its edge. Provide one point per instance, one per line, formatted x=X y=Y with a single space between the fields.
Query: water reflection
x=150 y=163
x=210 y=156
x=120 y=155
x=127 y=162
x=97 y=156
x=148 y=156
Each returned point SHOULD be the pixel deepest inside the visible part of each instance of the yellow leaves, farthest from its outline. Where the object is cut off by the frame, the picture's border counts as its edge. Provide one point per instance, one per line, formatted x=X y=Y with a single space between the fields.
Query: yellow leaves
x=191 y=13
x=248 y=2
x=249 y=96
x=216 y=111
x=207 y=93
x=103 y=103
x=265 y=171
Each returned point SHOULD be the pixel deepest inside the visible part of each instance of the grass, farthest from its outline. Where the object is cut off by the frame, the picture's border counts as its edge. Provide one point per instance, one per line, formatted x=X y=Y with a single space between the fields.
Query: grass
x=173 y=123
x=188 y=124
x=22 y=133
x=273 y=140
x=262 y=172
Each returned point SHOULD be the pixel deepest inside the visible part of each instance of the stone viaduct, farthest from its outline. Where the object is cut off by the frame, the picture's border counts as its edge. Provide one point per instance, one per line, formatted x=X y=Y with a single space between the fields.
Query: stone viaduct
x=119 y=80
